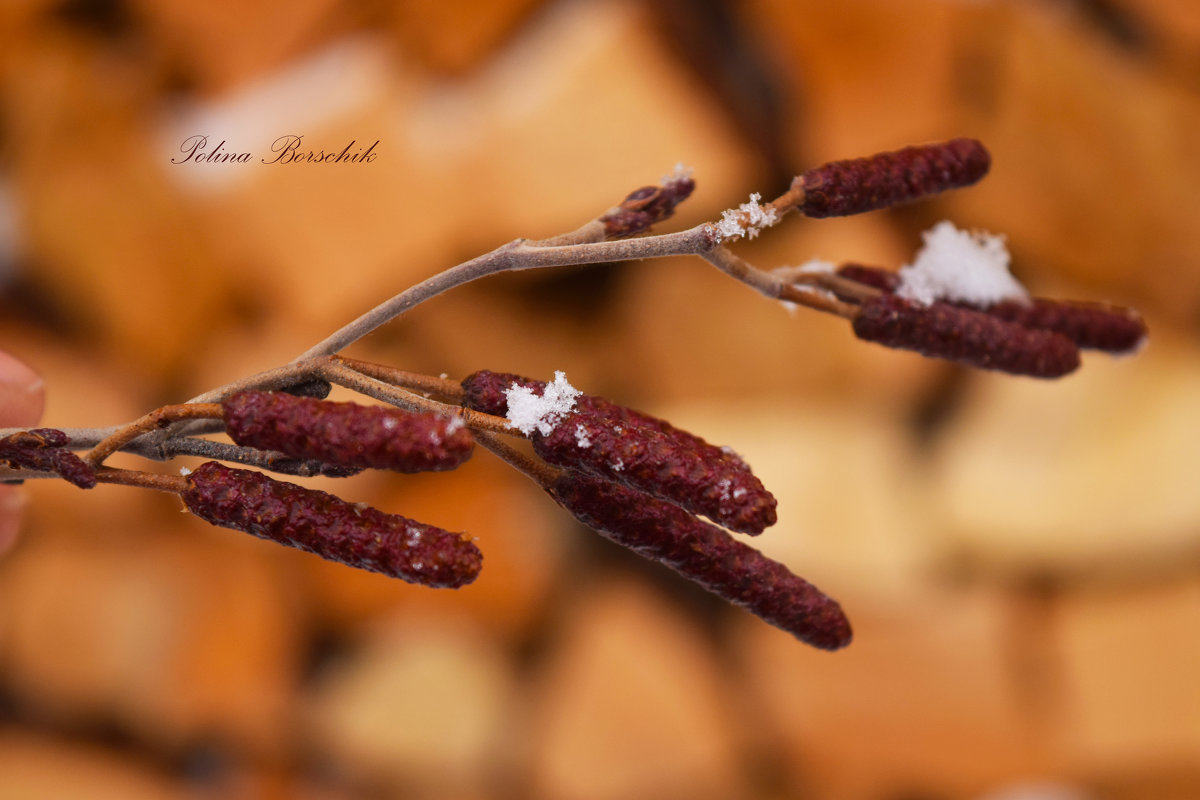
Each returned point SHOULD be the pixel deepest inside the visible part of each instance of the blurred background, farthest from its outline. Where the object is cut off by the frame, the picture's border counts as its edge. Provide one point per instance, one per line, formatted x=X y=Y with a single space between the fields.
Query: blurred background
x=1019 y=558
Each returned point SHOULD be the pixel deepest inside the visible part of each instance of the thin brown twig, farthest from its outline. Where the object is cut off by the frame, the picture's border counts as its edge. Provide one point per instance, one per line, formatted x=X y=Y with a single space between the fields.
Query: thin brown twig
x=447 y=390
x=145 y=480
x=776 y=287
x=154 y=421
x=818 y=299
x=790 y=200
x=841 y=286
x=336 y=369
x=515 y=256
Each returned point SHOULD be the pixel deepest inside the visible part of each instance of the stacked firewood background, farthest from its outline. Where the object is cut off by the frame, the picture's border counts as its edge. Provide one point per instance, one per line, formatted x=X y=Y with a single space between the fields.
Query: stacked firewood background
x=1019 y=557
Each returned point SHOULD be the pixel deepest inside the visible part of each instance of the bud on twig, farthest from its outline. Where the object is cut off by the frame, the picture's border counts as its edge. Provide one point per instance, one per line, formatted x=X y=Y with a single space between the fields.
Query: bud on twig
x=647 y=206
x=375 y=437
x=643 y=452
x=327 y=526
x=44 y=450
x=706 y=554
x=841 y=188
x=974 y=338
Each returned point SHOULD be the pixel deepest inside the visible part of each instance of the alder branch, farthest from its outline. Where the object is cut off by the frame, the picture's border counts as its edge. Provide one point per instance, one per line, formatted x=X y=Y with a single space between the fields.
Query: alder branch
x=636 y=479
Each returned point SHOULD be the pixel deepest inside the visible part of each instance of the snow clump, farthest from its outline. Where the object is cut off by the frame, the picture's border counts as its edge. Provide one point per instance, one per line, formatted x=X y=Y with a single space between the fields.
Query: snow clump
x=960 y=266
x=528 y=412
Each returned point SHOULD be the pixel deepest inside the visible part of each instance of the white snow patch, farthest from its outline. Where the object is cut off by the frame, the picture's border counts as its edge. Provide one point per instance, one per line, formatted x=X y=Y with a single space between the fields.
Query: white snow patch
x=528 y=412
x=963 y=266
x=746 y=220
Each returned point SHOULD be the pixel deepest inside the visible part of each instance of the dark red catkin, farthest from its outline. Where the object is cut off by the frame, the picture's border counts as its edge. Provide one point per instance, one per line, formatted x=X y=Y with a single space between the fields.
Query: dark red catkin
x=841 y=188
x=645 y=207
x=706 y=554
x=44 y=450
x=643 y=452
x=372 y=437
x=974 y=338
x=327 y=526
x=1092 y=326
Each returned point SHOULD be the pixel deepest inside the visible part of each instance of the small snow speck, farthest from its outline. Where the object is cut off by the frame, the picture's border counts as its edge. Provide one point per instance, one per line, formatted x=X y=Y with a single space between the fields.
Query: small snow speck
x=618 y=465
x=729 y=451
x=581 y=437
x=528 y=412
x=963 y=266
x=681 y=172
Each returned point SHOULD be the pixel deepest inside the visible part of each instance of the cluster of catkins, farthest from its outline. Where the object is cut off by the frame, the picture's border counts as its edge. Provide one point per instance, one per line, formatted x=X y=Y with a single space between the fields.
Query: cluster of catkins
x=1034 y=337
x=634 y=478
x=1039 y=338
